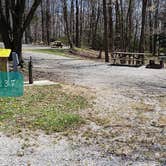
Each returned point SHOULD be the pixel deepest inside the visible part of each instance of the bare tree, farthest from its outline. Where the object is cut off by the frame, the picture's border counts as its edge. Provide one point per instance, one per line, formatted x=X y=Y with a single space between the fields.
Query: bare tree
x=65 y=13
x=130 y=26
x=110 y=26
x=77 y=24
x=12 y=28
x=142 y=37
x=72 y=21
x=155 y=25
x=105 y=31
x=43 y=21
x=150 y=27
x=48 y=19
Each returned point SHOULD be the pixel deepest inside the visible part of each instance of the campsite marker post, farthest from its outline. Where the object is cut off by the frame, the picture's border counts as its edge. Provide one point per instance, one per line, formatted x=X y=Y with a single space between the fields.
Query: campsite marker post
x=4 y=55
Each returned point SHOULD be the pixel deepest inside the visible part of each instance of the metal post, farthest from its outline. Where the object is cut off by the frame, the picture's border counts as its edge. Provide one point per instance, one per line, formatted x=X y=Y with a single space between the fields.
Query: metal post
x=30 y=66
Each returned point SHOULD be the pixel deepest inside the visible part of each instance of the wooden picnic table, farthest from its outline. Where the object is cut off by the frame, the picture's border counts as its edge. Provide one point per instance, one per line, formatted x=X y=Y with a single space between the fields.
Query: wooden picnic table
x=128 y=58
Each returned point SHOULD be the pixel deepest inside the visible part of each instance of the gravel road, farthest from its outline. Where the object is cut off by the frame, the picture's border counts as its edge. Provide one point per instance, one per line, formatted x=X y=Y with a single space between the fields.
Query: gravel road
x=121 y=92
x=96 y=74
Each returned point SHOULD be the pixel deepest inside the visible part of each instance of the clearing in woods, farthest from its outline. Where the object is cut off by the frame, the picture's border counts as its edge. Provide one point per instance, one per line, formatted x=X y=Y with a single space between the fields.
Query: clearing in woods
x=125 y=124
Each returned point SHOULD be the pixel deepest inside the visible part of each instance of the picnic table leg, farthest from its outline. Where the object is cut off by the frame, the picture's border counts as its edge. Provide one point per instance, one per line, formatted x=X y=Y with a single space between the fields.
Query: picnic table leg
x=143 y=61
x=129 y=60
x=133 y=59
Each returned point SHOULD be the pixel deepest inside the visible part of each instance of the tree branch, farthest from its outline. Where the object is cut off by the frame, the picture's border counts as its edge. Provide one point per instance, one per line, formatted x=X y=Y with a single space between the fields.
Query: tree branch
x=30 y=14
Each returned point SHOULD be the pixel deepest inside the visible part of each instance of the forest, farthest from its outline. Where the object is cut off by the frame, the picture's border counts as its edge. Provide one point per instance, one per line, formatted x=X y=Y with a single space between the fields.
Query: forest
x=82 y=82
x=110 y=25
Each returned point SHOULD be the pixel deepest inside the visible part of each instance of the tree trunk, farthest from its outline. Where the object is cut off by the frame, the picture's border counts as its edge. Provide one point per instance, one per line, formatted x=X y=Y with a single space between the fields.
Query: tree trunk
x=72 y=26
x=142 y=37
x=105 y=31
x=117 y=41
x=110 y=26
x=95 y=26
x=128 y=33
x=81 y=23
x=48 y=19
x=43 y=22
x=150 y=28
x=77 y=24
x=12 y=29
x=155 y=26
x=121 y=23
x=66 y=23
x=135 y=36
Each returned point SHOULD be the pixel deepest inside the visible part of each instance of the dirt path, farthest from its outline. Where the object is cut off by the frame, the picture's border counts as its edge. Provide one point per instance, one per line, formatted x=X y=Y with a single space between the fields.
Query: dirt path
x=126 y=126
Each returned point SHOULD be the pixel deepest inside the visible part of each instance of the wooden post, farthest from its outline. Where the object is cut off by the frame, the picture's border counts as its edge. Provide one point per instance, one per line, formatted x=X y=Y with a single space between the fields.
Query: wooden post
x=4 y=64
x=4 y=54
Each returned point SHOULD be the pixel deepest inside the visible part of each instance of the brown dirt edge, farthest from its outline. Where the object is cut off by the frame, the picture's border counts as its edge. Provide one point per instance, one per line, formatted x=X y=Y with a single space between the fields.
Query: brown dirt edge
x=85 y=54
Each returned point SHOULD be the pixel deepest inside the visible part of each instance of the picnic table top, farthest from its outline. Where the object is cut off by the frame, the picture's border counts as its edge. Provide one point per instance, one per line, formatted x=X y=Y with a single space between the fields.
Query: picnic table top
x=131 y=53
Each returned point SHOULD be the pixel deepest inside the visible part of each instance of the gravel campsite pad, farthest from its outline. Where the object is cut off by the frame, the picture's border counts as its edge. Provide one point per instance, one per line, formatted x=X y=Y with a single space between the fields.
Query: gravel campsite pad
x=125 y=126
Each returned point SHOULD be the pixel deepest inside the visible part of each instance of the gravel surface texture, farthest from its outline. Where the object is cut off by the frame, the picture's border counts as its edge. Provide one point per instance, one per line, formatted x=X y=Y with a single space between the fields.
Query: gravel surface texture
x=125 y=127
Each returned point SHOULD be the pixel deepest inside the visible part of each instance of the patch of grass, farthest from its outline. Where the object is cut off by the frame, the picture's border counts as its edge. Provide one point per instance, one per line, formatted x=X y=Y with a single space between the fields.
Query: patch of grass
x=86 y=50
x=55 y=51
x=45 y=107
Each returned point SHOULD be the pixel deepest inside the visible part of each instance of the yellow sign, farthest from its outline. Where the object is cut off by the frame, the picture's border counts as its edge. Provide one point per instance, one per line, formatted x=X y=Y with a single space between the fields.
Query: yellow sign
x=4 y=53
